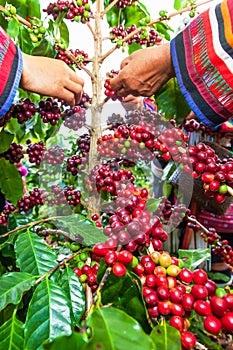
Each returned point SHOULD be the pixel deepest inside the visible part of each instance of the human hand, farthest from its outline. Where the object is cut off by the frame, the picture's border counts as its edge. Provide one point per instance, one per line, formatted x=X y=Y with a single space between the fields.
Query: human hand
x=144 y=71
x=51 y=77
x=131 y=103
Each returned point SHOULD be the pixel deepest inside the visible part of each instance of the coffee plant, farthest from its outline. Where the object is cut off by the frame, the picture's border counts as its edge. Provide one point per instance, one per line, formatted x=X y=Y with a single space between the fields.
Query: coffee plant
x=86 y=259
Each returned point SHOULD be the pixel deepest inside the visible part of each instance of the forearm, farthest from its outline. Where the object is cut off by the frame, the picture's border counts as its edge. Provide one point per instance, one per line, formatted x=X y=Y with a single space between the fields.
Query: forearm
x=203 y=61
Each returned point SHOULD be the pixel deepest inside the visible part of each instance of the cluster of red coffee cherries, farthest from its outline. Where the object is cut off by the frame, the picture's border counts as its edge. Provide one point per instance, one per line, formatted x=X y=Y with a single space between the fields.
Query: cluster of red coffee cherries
x=146 y=36
x=79 y=55
x=24 y=110
x=171 y=146
x=216 y=174
x=173 y=292
x=27 y=202
x=108 y=90
x=78 y=12
x=74 y=117
x=104 y=178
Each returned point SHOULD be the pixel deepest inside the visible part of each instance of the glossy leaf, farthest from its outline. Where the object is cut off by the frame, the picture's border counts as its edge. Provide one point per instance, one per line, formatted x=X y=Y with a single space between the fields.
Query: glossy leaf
x=12 y=287
x=113 y=329
x=72 y=342
x=133 y=47
x=64 y=33
x=33 y=255
x=74 y=290
x=13 y=28
x=171 y=102
x=10 y=181
x=48 y=315
x=6 y=139
x=152 y=204
x=194 y=257
x=166 y=337
x=34 y=8
x=163 y=29
x=132 y=15
x=123 y=294
x=88 y=232
x=24 y=39
x=12 y=334
x=180 y=4
x=113 y=15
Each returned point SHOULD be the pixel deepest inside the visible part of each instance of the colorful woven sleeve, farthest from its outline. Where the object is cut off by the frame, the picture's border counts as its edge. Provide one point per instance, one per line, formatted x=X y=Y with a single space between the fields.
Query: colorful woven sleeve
x=10 y=71
x=203 y=61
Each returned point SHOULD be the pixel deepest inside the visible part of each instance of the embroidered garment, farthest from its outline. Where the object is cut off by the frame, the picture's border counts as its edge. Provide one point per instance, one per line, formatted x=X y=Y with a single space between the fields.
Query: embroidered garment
x=203 y=61
x=11 y=70
x=222 y=223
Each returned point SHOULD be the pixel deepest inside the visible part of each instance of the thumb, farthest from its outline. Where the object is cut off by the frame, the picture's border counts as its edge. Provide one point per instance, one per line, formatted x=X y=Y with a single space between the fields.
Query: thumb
x=115 y=83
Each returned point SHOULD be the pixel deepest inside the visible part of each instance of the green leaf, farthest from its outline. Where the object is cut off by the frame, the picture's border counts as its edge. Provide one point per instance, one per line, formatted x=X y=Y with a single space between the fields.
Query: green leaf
x=85 y=229
x=113 y=16
x=10 y=181
x=44 y=48
x=218 y=276
x=33 y=255
x=132 y=15
x=123 y=294
x=72 y=342
x=180 y=4
x=152 y=204
x=133 y=47
x=166 y=337
x=194 y=257
x=167 y=189
x=113 y=329
x=48 y=315
x=11 y=334
x=13 y=28
x=64 y=33
x=34 y=8
x=143 y=7
x=163 y=29
x=74 y=290
x=9 y=240
x=12 y=287
x=25 y=42
x=171 y=102
x=6 y=138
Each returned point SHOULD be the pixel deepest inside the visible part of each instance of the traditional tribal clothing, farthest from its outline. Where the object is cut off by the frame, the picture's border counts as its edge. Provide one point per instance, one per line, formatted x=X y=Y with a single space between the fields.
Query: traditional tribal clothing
x=11 y=70
x=202 y=58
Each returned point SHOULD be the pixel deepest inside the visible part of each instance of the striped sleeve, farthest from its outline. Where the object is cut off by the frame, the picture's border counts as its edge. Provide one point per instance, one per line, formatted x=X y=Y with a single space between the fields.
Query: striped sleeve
x=202 y=56
x=10 y=71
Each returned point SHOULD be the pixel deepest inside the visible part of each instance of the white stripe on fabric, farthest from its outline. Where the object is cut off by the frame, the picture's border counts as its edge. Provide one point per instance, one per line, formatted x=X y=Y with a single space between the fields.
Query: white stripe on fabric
x=220 y=52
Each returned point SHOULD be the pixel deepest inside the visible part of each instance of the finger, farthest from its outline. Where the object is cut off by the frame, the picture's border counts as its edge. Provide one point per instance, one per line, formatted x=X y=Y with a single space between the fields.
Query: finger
x=68 y=96
x=76 y=89
x=115 y=83
x=76 y=79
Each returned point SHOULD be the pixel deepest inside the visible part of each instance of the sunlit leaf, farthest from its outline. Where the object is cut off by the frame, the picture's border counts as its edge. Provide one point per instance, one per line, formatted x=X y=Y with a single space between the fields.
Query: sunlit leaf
x=33 y=254
x=48 y=315
x=166 y=337
x=12 y=334
x=74 y=290
x=113 y=329
x=194 y=257
x=12 y=287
